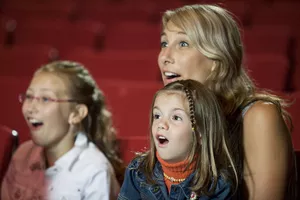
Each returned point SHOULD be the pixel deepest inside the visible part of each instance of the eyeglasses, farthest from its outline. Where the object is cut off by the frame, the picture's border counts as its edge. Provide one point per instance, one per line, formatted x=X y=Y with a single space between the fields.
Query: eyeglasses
x=24 y=98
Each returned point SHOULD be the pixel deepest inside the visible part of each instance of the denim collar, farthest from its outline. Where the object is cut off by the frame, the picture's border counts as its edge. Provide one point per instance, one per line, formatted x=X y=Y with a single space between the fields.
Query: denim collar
x=184 y=186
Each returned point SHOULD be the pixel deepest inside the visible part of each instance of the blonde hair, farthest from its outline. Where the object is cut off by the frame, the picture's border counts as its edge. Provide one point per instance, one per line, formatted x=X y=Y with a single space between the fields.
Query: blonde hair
x=98 y=124
x=209 y=147
x=216 y=35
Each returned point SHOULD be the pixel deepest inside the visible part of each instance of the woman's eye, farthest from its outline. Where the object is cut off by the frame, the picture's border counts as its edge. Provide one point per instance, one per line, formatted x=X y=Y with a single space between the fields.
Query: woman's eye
x=183 y=44
x=163 y=44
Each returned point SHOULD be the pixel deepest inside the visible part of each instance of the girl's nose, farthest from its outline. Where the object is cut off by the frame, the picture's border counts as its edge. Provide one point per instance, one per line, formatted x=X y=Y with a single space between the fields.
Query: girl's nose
x=31 y=106
x=163 y=125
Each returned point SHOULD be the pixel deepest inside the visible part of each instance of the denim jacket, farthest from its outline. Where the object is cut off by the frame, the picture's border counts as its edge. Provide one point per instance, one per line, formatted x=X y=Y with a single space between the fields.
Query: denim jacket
x=135 y=186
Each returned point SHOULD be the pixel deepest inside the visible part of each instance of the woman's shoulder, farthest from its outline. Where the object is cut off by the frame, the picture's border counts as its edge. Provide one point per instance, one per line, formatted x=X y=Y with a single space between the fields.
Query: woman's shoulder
x=260 y=107
x=264 y=120
x=265 y=131
x=261 y=113
x=267 y=147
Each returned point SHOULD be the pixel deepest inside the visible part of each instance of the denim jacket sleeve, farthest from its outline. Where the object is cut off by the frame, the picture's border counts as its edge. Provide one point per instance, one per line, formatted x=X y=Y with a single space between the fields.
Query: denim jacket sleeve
x=223 y=190
x=130 y=188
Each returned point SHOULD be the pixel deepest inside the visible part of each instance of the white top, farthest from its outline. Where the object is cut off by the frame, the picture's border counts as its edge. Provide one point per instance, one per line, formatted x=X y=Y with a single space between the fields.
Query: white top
x=83 y=173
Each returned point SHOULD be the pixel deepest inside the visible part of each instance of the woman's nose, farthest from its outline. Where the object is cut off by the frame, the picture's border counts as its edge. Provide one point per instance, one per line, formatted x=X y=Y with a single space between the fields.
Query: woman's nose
x=166 y=56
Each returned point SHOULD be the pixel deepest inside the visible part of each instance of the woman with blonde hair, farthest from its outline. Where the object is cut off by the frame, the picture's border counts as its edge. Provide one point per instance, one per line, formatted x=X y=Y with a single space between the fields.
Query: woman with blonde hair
x=203 y=43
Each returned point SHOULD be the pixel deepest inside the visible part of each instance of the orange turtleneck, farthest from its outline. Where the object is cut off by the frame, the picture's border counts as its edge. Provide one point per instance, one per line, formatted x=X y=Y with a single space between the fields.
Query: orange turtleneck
x=175 y=170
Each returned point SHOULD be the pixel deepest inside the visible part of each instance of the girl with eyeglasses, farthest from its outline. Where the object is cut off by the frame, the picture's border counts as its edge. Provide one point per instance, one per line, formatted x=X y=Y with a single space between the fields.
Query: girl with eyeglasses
x=73 y=152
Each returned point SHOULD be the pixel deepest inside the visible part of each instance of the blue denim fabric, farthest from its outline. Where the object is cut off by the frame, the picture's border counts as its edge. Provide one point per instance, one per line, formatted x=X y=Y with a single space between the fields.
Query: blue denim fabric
x=135 y=186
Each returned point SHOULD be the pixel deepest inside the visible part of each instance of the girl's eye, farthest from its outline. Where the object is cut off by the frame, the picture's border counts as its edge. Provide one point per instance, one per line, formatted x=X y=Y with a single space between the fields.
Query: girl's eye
x=163 y=44
x=156 y=116
x=183 y=44
x=28 y=97
x=46 y=99
x=177 y=118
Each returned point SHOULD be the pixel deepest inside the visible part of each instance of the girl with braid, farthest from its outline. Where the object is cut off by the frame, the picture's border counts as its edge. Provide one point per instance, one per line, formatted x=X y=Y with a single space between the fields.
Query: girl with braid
x=73 y=153
x=188 y=157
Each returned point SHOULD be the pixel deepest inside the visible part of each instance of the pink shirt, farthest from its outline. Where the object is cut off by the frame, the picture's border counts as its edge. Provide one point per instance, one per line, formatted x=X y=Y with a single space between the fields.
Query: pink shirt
x=25 y=177
x=83 y=173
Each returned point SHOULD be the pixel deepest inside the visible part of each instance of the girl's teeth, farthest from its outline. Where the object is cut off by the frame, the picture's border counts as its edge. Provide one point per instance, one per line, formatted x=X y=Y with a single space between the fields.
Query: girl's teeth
x=34 y=121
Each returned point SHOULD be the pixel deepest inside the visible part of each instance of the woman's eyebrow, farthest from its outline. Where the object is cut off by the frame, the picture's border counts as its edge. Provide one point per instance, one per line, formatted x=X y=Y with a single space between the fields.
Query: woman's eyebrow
x=179 y=33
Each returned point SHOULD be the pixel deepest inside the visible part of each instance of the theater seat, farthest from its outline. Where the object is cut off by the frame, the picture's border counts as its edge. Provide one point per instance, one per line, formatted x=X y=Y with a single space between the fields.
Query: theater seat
x=266 y=39
x=9 y=141
x=298 y=172
x=23 y=60
x=129 y=146
x=10 y=106
x=278 y=13
x=130 y=103
x=129 y=35
x=269 y=71
x=122 y=65
x=295 y=114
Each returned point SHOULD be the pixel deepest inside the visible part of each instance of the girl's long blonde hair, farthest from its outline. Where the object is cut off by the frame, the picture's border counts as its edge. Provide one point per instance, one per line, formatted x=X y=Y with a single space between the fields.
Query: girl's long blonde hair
x=98 y=124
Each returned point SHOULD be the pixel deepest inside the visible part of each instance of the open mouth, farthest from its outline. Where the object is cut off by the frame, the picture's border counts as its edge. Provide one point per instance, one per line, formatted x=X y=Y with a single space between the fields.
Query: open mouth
x=171 y=75
x=35 y=123
x=162 y=140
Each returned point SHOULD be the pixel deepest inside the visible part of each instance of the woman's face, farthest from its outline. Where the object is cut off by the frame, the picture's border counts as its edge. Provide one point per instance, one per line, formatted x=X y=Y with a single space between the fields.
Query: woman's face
x=179 y=57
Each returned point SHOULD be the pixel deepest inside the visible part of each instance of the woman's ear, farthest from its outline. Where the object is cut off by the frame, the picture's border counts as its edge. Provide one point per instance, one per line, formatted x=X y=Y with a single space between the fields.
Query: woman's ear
x=79 y=113
x=213 y=66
